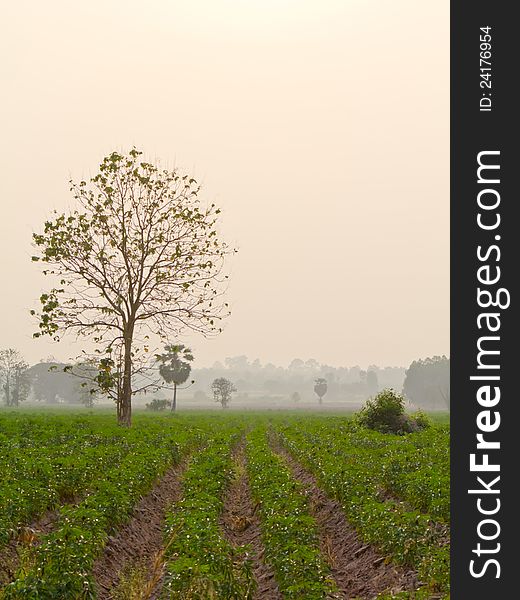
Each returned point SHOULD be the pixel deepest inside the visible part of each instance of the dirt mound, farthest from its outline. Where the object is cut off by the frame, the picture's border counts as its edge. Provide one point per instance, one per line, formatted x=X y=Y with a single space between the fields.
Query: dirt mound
x=241 y=525
x=358 y=569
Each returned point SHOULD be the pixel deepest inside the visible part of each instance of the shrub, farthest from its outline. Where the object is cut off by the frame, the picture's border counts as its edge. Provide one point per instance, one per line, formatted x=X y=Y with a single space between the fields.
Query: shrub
x=422 y=419
x=157 y=404
x=385 y=413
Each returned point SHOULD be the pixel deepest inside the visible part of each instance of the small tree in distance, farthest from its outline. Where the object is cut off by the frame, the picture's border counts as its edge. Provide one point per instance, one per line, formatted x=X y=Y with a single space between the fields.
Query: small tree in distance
x=14 y=377
x=174 y=367
x=222 y=389
x=320 y=388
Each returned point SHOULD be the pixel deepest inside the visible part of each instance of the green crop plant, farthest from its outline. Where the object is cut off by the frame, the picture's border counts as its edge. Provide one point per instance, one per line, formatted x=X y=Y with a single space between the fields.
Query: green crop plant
x=202 y=563
x=289 y=532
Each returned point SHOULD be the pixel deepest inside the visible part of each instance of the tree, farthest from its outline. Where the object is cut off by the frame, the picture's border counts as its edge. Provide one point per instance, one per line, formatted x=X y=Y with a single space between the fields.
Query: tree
x=312 y=364
x=296 y=364
x=222 y=389
x=50 y=381
x=237 y=363
x=139 y=256
x=14 y=377
x=295 y=397
x=427 y=383
x=175 y=367
x=320 y=388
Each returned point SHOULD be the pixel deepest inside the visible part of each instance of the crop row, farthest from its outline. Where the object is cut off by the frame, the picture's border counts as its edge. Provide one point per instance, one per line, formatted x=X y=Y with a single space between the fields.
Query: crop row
x=60 y=566
x=289 y=532
x=413 y=468
x=201 y=562
x=352 y=475
x=393 y=489
x=43 y=467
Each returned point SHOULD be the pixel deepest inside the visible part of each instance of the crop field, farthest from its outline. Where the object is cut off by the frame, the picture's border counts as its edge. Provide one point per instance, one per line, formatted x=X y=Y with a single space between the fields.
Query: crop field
x=224 y=506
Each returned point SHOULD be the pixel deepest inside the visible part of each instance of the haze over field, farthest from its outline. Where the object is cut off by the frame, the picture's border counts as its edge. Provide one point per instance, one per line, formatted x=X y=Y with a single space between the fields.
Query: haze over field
x=156 y=455
x=320 y=128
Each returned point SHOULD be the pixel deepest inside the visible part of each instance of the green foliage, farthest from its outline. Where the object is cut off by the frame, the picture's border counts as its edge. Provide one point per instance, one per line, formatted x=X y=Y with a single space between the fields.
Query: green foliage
x=421 y=419
x=63 y=561
x=44 y=463
x=174 y=364
x=288 y=530
x=384 y=413
x=427 y=383
x=320 y=387
x=112 y=240
x=133 y=583
x=222 y=390
x=394 y=489
x=142 y=244
x=206 y=565
x=157 y=404
x=15 y=381
x=107 y=375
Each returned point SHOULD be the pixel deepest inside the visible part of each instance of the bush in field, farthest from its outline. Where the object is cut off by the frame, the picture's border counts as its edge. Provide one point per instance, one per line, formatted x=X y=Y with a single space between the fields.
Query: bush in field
x=422 y=419
x=157 y=404
x=385 y=413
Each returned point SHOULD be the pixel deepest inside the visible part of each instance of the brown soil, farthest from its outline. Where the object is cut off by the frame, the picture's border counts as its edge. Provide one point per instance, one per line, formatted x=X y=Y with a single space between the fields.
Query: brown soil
x=139 y=543
x=359 y=570
x=241 y=526
x=26 y=537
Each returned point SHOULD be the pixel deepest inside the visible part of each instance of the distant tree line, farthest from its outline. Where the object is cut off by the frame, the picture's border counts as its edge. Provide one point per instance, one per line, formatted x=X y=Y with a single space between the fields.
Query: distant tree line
x=297 y=381
x=425 y=383
x=48 y=381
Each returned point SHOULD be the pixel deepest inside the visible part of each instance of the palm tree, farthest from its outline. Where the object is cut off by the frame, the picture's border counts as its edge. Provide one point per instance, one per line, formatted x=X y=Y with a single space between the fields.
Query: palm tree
x=320 y=387
x=175 y=367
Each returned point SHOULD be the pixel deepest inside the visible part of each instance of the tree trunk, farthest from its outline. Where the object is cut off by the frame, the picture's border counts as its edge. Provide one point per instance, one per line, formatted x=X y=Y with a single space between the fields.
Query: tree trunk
x=125 y=415
x=7 y=390
x=174 y=401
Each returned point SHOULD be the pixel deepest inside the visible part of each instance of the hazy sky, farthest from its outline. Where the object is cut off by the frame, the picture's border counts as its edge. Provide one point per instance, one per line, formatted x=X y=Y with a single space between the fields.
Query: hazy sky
x=320 y=126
